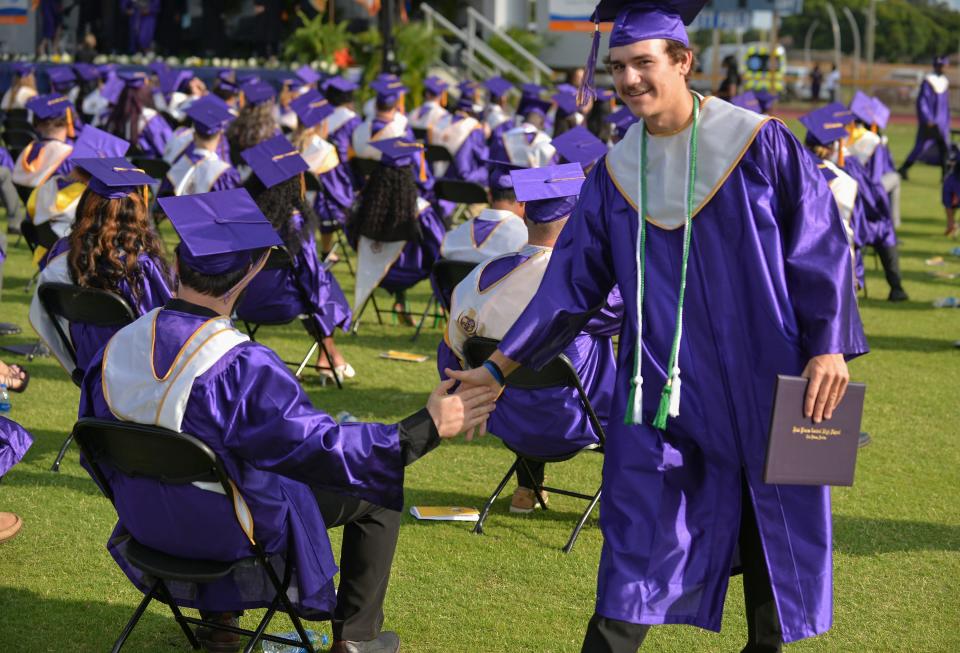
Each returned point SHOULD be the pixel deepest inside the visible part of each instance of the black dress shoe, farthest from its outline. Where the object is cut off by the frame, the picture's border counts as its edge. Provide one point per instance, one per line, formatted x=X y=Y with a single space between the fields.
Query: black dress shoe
x=864 y=440
x=903 y=174
x=387 y=642
x=898 y=295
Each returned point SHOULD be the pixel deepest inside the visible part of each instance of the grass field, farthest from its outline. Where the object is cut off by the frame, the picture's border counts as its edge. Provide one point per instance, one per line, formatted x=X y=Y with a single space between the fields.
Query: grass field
x=897 y=531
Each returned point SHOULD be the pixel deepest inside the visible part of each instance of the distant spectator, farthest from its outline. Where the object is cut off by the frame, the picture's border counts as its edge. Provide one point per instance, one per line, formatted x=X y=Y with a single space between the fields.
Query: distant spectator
x=816 y=80
x=832 y=84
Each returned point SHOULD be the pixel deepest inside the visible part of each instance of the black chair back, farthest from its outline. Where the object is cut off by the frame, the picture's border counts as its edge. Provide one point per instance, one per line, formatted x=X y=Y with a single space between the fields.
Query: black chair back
x=279 y=259
x=18 y=139
x=20 y=114
x=41 y=235
x=85 y=305
x=363 y=168
x=311 y=182
x=461 y=192
x=29 y=232
x=17 y=124
x=156 y=168
x=420 y=134
x=24 y=192
x=447 y=274
x=437 y=153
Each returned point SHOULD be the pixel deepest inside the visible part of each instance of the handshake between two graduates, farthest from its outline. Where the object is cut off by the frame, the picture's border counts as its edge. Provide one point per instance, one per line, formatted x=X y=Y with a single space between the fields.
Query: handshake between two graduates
x=462 y=411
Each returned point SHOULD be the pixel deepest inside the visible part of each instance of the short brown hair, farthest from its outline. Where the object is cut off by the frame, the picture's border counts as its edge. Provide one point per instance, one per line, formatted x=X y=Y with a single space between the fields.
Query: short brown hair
x=677 y=52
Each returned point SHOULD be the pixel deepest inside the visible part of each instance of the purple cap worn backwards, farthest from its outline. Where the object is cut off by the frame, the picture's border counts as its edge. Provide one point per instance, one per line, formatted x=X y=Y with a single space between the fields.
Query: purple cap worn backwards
x=637 y=20
x=47 y=107
x=62 y=78
x=95 y=143
x=86 y=71
x=113 y=177
x=210 y=115
x=826 y=124
x=274 y=160
x=219 y=231
x=881 y=113
x=435 y=85
x=311 y=108
x=579 y=145
x=111 y=89
x=499 y=173
x=307 y=75
x=550 y=192
x=498 y=86
x=861 y=106
x=258 y=92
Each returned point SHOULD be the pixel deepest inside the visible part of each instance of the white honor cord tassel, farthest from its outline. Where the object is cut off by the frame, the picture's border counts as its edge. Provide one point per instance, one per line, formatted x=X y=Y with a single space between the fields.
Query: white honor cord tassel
x=675 y=393
x=637 y=407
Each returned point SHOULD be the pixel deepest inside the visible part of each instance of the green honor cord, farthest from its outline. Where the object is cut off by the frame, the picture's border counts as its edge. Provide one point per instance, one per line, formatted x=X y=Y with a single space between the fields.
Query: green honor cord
x=670 y=395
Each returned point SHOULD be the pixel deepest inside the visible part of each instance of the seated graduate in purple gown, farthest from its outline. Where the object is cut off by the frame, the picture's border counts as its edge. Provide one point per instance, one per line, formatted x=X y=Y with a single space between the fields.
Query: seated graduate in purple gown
x=63 y=81
x=871 y=147
x=299 y=471
x=134 y=118
x=548 y=422
x=14 y=442
x=526 y=145
x=733 y=266
x=305 y=288
x=334 y=200
x=578 y=145
x=396 y=232
x=388 y=120
x=54 y=124
x=463 y=137
x=499 y=229
x=54 y=202
x=255 y=122
x=498 y=116
x=340 y=125
x=433 y=109
x=200 y=168
x=950 y=193
x=567 y=115
x=113 y=246
x=22 y=87
x=99 y=102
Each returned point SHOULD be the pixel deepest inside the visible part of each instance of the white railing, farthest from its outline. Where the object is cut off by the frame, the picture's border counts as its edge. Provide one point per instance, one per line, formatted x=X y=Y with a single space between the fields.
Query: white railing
x=474 y=17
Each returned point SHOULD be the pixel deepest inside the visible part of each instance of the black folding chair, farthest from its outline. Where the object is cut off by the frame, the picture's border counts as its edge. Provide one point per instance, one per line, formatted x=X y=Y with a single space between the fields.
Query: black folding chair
x=174 y=459
x=18 y=139
x=156 y=168
x=21 y=114
x=437 y=154
x=461 y=193
x=446 y=274
x=312 y=184
x=17 y=123
x=419 y=134
x=363 y=168
x=559 y=373
x=279 y=259
x=23 y=192
x=78 y=305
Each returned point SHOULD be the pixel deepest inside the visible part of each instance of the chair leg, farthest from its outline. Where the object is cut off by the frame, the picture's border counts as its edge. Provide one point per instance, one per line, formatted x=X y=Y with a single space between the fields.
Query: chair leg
x=373 y=300
x=135 y=618
x=478 y=528
x=167 y=598
x=538 y=490
x=336 y=378
x=262 y=626
x=343 y=248
x=423 y=318
x=63 y=452
x=287 y=606
x=583 y=520
x=356 y=319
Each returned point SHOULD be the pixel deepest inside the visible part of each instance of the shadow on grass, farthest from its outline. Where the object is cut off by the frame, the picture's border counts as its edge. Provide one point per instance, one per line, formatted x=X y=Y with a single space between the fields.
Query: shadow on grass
x=865 y=536
x=910 y=343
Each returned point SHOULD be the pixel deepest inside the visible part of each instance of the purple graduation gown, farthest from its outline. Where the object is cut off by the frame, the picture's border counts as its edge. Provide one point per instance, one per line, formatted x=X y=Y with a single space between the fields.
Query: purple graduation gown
x=14 y=442
x=6 y=161
x=155 y=291
x=469 y=161
x=932 y=107
x=551 y=422
x=876 y=229
x=228 y=179
x=153 y=139
x=335 y=198
x=768 y=287
x=306 y=288
x=417 y=258
x=250 y=409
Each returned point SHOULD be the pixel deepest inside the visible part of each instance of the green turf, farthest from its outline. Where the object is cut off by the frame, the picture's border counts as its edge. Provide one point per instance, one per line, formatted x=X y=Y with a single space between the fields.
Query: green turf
x=897 y=531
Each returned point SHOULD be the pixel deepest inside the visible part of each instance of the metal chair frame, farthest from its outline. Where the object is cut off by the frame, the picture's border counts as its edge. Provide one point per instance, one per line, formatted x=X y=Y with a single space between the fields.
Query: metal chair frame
x=557 y=373
x=312 y=184
x=177 y=459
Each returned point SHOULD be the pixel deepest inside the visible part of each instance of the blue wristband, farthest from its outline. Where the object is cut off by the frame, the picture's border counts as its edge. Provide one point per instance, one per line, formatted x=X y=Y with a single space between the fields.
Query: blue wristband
x=494 y=370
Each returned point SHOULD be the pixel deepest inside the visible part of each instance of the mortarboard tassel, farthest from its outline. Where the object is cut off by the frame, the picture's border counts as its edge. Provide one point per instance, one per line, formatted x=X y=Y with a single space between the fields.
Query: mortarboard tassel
x=443 y=98
x=70 y=130
x=587 y=92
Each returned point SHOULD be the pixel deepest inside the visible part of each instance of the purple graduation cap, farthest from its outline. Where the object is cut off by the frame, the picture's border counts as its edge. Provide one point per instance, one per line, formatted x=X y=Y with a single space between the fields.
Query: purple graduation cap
x=569 y=89
x=113 y=177
x=340 y=84
x=311 y=108
x=62 y=78
x=134 y=79
x=534 y=105
x=550 y=192
x=941 y=60
x=824 y=126
x=435 y=85
x=307 y=75
x=747 y=100
x=257 y=92
x=579 y=145
x=248 y=78
x=389 y=92
x=466 y=103
x=605 y=94
x=95 y=143
x=861 y=106
x=566 y=104
x=766 y=99
x=159 y=68
x=210 y=115
x=106 y=70
x=498 y=87
x=274 y=160
x=86 y=71
x=49 y=106
x=171 y=80
x=219 y=232
x=531 y=90
x=398 y=153
x=23 y=68
x=499 y=173
x=111 y=89
x=881 y=113
x=622 y=118
x=637 y=20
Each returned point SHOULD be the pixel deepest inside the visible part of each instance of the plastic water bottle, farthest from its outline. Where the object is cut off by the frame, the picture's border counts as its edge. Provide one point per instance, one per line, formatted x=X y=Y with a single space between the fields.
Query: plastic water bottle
x=955 y=251
x=313 y=636
x=4 y=400
x=946 y=302
x=346 y=416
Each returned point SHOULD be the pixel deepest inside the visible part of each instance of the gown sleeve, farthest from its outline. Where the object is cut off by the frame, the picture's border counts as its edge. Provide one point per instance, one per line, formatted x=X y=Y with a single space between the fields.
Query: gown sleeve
x=228 y=180
x=926 y=105
x=576 y=284
x=815 y=247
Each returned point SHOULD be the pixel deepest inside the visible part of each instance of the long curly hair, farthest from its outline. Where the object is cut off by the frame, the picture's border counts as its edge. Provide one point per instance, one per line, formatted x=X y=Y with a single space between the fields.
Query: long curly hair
x=254 y=125
x=388 y=206
x=126 y=113
x=279 y=203
x=107 y=240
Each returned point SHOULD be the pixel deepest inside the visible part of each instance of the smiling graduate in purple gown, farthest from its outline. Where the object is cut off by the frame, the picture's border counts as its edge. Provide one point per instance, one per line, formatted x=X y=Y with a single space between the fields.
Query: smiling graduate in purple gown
x=298 y=470
x=738 y=272
x=113 y=209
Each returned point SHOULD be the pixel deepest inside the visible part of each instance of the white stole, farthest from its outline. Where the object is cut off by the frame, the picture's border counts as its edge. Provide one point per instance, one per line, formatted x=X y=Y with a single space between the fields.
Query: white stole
x=509 y=235
x=320 y=155
x=51 y=156
x=939 y=83
x=189 y=178
x=337 y=119
x=177 y=144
